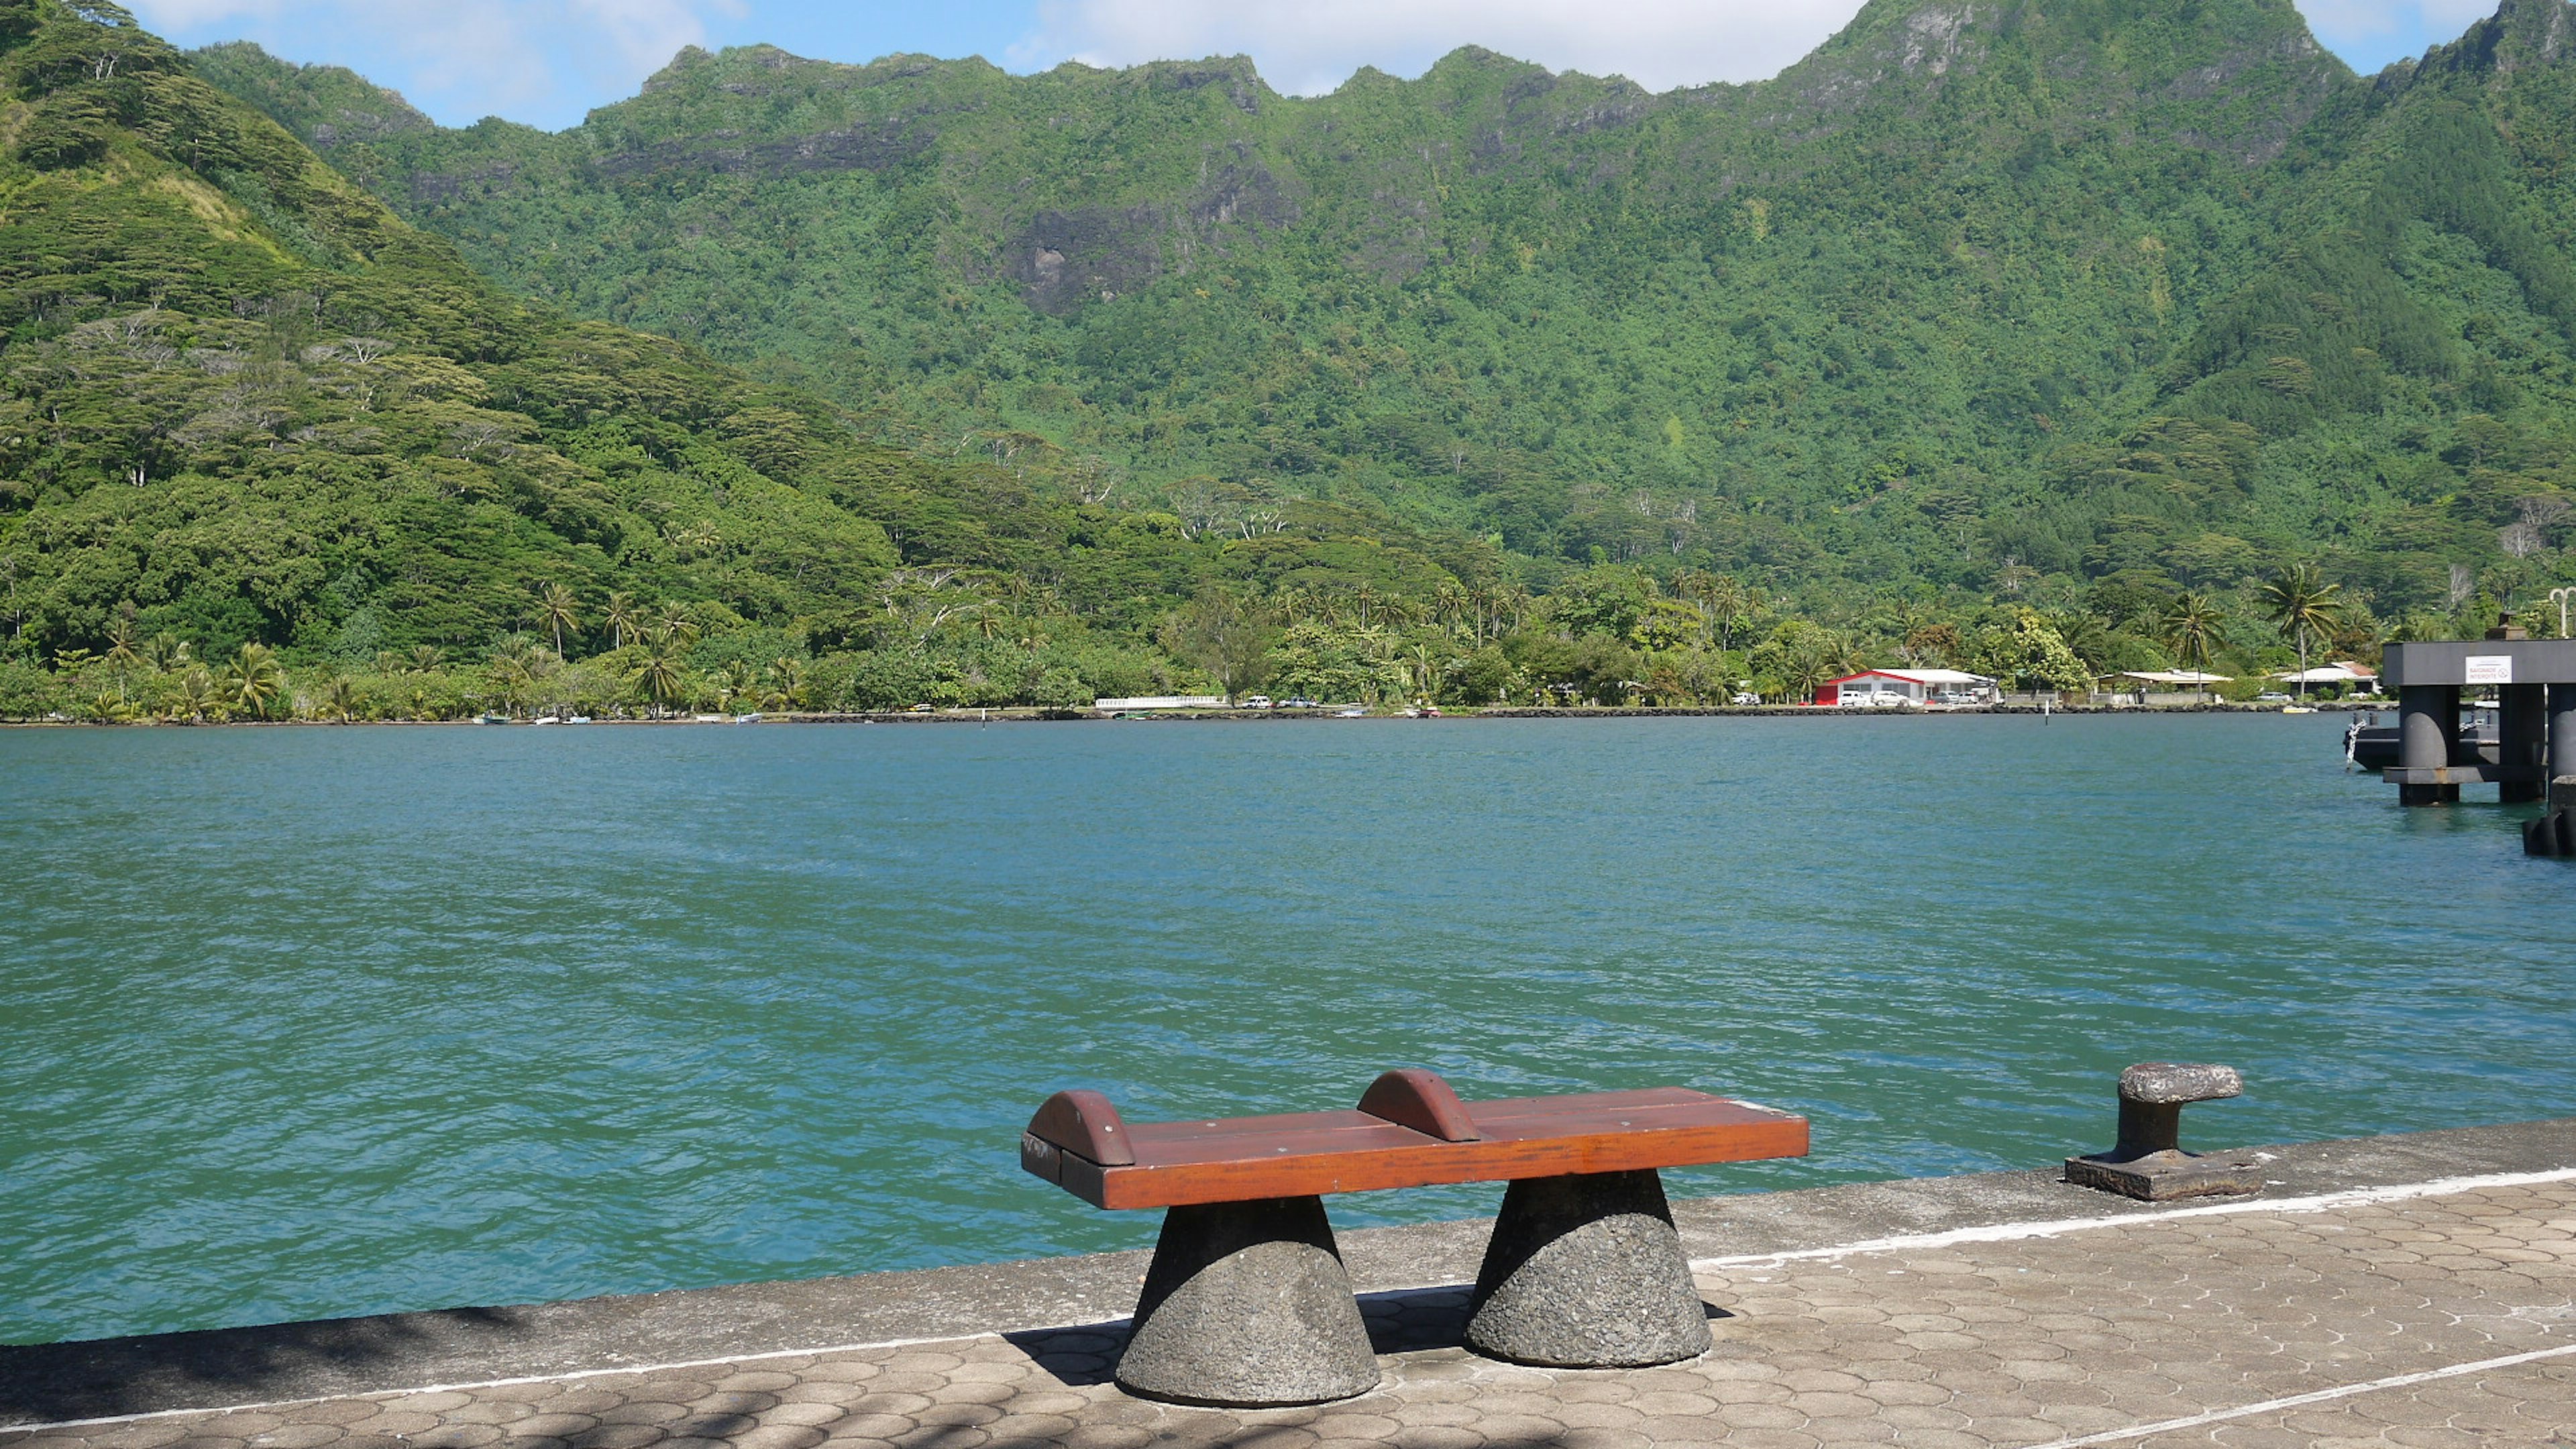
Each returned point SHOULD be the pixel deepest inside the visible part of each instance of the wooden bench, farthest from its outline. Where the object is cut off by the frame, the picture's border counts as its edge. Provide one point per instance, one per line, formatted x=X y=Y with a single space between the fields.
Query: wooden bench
x=1247 y=1302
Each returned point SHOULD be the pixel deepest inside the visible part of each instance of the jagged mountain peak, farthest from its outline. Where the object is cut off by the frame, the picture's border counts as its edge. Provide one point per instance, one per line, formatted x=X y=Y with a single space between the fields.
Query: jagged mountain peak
x=2145 y=43
x=2521 y=35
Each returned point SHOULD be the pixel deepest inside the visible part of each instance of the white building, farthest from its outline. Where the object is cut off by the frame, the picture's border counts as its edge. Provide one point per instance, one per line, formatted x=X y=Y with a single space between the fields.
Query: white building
x=1896 y=688
x=1144 y=703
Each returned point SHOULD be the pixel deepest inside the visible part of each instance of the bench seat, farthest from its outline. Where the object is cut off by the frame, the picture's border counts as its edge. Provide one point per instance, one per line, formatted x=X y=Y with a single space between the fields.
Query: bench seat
x=1305 y=1154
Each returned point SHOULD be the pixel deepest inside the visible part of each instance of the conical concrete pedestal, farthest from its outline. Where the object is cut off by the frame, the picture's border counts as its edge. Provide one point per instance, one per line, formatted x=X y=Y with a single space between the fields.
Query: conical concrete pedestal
x=1587 y=1272
x=1247 y=1306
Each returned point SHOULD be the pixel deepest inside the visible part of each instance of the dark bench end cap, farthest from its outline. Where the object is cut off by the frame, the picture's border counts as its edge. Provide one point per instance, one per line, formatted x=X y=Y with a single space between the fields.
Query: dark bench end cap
x=1084 y=1123
x=1419 y=1099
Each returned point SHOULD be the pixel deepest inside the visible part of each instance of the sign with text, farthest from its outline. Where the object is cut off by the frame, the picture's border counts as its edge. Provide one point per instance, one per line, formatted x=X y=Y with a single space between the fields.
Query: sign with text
x=2490 y=669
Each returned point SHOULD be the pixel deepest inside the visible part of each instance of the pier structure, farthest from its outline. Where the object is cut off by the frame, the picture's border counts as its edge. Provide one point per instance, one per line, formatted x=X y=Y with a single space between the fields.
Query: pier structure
x=2409 y=1292
x=2534 y=684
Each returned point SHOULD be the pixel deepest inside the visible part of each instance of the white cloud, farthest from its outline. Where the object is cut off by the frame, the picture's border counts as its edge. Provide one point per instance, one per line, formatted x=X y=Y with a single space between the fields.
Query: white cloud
x=2439 y=19
x=1306 y=47
x=463 y=59
x=1309 y=47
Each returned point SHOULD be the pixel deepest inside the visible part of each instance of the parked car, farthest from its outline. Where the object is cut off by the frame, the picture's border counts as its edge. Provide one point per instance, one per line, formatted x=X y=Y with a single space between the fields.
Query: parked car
x=2271 y=696
x=1745 y=697
x=1256 y=701
x=1299 y=704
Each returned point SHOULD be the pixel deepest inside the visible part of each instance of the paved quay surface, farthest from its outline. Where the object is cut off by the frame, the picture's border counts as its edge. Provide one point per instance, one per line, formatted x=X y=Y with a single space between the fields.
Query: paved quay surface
x=2355 y=1303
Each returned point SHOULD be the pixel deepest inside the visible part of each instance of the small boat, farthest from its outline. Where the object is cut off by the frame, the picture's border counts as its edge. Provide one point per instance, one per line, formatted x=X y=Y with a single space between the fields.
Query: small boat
x=752 y=718
x=493 y=719
x=2298 y=709
x=578 y=719
x=1357 y=711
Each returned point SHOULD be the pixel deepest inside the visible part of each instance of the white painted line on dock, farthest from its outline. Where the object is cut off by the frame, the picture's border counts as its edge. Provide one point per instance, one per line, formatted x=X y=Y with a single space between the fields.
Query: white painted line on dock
x=2220 y=1416
x=2011 y=1232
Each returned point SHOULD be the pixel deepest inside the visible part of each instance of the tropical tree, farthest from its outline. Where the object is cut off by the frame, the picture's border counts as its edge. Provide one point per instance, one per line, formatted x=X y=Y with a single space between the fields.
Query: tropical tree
x=786 y=684
x=197 y=694
x=2302 y=603
x=254 y=680
x=658 y=678
x=671 y=623
x=123 y=647
x=1806 y=672
x=623 y=617
x=1223 y=635
x=2028 y=652
x=2193 y=629
x=735 y=682
x=1425 y=665
x=558 y=610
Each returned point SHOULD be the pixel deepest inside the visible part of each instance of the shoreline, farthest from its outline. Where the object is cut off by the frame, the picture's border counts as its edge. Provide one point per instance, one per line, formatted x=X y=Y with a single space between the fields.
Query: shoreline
x=1022 y=714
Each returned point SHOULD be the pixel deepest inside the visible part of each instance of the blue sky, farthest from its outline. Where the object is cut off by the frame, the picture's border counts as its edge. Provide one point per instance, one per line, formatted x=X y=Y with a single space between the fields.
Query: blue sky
x=546 y=62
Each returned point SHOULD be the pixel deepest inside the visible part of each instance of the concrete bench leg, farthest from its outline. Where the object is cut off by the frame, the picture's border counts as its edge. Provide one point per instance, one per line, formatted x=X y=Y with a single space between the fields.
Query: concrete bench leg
x=1247 y=1306
x=1587 y=1272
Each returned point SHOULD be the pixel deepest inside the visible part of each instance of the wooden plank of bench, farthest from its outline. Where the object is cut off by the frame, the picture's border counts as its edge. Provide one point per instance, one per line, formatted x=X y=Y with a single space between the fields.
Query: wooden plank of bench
x=1310 y=1153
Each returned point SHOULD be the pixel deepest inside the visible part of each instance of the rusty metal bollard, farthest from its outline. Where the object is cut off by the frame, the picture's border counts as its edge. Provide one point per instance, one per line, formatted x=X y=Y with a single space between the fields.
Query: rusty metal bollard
x=2149 y=1163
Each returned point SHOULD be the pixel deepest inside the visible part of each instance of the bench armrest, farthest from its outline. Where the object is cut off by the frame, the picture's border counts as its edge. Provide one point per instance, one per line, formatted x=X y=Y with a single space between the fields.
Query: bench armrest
x=1419 y=1099
x=1085 y=1124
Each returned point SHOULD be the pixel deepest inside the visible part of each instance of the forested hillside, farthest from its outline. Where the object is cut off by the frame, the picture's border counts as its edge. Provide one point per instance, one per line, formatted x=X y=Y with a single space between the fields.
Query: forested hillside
x=1996 y=299
x=2045 y=340
x=241 y=404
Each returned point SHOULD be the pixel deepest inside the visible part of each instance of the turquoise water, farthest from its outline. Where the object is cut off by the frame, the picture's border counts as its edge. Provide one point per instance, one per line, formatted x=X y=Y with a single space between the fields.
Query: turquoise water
x=306 y=1022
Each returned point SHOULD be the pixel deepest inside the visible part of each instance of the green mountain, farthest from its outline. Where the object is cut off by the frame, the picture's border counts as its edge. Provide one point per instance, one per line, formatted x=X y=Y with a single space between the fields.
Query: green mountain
x=2029 y=338
x=1996 y=298
x=243 y=402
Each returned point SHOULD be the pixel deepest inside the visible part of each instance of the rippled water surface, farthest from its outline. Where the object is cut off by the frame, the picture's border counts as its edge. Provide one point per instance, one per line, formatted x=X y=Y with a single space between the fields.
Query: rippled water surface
x=307 y=1022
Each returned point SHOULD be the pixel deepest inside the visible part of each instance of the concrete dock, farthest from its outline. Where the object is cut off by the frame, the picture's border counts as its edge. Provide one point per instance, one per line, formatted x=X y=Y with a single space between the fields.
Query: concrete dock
x=2413 y=1290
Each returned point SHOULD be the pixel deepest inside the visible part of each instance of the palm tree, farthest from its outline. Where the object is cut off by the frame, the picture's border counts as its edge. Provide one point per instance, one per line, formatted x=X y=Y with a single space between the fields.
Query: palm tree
x=558 y=610
x=2192 y=626
x=121 y=642
x=622 y=617
x=426 y=657
x=196 y=693
x=672 y=622
x=254 y=680
x=1364 y=596
x=340 y=700
x=787 y=683
x=166 y=652
x=1424 y=665
x=1449 y=605
x=1808 y=673
x=2301 y=602
x=658 y=678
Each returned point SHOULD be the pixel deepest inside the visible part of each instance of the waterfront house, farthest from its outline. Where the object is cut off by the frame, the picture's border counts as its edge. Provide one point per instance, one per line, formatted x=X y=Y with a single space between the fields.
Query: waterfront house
x=2343 y=674
x=1897 y=688
x=1144 y=703
x=2178 y=686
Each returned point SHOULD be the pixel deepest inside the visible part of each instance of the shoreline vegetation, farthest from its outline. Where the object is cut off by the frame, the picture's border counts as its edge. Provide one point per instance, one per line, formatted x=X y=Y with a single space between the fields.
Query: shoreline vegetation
x=1611 y=637
x=1027 y=715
